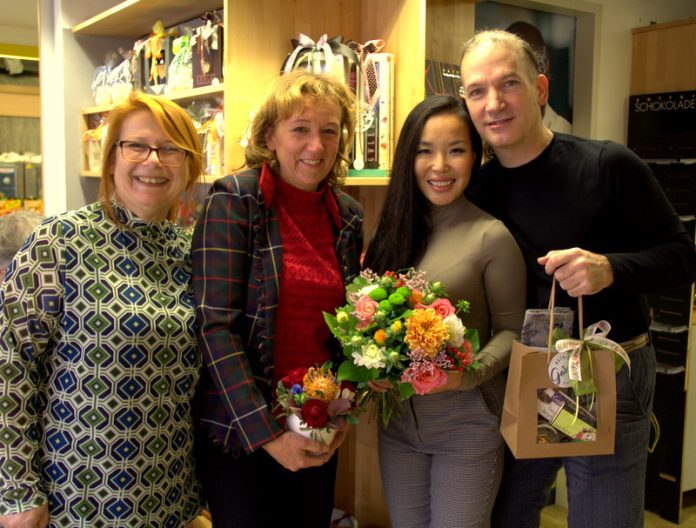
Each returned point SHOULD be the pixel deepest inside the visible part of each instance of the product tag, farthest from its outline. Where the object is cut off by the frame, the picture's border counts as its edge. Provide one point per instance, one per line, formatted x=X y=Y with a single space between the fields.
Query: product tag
x=558 y=369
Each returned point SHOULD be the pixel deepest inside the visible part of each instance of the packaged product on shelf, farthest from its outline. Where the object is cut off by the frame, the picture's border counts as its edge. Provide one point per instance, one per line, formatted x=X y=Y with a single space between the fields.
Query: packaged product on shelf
x=119 y=79
x=11 y=176
x=100 y=90
x=323 y=56
x=180 y=75
x=375 y=108
x=93 y=140
x=385 y=109
x=206 y=44
x=103 y=79
x=214 y=145
x=137 y=61
x=33 y=183
x=157 y=58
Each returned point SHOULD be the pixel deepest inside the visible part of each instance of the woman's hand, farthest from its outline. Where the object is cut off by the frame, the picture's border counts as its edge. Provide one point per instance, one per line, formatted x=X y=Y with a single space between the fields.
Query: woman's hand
x=295 y=452
x=380 y=385
x=341 y=435
x=454 y=381
x=34 y=518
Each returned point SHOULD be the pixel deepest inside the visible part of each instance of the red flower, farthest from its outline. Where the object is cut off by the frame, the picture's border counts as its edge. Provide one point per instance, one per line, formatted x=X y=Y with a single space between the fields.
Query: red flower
x=315 y=413
x=467 y=353
x=294 y=377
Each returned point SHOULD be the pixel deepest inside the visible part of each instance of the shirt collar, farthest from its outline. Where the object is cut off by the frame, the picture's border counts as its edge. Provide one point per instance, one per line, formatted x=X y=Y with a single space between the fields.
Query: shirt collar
x=267 y=184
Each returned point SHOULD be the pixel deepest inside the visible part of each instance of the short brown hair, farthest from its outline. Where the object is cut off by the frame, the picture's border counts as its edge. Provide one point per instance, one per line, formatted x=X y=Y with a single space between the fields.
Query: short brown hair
x=175 y=122
x=287 y=98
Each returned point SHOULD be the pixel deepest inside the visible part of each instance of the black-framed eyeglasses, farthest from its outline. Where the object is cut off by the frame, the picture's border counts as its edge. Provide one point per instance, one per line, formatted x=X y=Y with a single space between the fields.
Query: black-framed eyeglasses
x=137 y=152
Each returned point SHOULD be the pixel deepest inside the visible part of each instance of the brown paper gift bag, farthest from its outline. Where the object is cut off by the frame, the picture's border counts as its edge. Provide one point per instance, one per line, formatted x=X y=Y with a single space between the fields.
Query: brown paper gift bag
x=540 y=419
x=528 y=374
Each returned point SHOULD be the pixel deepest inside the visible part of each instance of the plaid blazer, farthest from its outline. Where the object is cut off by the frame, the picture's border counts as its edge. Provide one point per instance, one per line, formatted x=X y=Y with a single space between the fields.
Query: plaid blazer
x=237 y=255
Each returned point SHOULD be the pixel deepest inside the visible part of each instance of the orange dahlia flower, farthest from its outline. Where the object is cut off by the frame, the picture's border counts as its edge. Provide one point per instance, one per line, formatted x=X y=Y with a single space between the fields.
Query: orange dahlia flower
x=426 y=331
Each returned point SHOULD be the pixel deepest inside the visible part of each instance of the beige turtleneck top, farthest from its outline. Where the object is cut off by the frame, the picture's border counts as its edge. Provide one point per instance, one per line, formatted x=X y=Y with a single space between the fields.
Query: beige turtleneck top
x=477 y=259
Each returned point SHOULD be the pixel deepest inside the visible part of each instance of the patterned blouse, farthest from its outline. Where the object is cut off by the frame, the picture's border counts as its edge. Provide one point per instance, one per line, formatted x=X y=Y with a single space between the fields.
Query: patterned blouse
x=98 y=366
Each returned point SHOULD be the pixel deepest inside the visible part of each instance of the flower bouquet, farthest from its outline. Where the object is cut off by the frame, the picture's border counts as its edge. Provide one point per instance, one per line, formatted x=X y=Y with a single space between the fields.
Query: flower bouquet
x=401 y=328
x=315 y=403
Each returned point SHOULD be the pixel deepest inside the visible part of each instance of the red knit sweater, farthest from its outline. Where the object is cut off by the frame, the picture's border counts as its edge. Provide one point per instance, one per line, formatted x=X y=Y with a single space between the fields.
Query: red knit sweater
x=310 y=280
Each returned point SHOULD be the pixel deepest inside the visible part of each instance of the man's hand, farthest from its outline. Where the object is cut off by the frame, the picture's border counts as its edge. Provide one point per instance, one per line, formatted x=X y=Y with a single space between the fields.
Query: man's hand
x=295 y=452
x=578 y=272
x=34 y=518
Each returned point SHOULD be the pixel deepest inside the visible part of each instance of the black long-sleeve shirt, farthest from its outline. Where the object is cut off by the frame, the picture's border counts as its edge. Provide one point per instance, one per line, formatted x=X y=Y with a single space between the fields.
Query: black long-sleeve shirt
x=599 y=196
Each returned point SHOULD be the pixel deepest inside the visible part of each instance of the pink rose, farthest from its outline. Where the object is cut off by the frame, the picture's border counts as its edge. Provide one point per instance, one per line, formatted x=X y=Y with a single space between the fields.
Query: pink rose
x=424 y=377
x=365 y=308
x=442 y=307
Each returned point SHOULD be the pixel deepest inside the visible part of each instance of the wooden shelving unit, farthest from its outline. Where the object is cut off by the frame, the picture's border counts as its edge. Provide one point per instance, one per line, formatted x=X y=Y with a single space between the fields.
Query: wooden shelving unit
x=134 y=18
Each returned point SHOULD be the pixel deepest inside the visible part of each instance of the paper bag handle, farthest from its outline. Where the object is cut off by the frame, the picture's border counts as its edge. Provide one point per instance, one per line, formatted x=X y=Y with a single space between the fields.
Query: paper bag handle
x=552 y=309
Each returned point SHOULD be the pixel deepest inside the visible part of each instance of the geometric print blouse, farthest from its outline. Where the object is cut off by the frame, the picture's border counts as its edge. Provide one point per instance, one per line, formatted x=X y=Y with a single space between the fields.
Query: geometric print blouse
x=98 y=367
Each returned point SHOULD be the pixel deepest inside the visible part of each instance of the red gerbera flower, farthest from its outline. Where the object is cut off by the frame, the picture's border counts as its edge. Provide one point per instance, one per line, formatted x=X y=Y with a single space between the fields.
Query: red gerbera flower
x=315 y=413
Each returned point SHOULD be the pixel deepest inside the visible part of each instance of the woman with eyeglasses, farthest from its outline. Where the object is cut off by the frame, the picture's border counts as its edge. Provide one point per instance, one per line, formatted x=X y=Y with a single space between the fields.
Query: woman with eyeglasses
x=98 y=346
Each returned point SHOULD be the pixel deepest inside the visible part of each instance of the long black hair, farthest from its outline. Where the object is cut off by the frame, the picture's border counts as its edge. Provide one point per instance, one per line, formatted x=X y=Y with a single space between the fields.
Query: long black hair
x=404 y=225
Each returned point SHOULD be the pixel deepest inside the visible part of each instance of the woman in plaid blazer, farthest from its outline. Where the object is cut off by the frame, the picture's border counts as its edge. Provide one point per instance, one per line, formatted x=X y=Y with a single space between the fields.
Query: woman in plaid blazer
x=273 y=248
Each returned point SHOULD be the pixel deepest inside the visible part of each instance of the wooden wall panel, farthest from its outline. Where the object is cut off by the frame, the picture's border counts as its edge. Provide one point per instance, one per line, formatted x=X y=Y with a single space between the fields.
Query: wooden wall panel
x=664 y=58
x=19 y=101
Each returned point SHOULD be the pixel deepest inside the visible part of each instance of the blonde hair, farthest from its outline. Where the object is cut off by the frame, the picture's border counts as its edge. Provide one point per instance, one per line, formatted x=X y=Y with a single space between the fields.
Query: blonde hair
x=528 y=57
x=287 y=98
x=178 y=126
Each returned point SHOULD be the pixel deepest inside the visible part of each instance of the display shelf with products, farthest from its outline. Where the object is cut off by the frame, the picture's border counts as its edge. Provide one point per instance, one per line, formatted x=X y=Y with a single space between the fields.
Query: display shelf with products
x=134 y=18
x=180 y=97
x=662 y=131
x=255 y=55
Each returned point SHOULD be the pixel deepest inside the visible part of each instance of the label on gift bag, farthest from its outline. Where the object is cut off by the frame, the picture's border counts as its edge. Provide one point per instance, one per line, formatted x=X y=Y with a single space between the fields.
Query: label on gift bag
x=558 y=370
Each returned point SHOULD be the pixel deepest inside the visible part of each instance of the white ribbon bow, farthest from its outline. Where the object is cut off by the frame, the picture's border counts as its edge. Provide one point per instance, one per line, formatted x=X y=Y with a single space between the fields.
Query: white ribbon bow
x=316 y=57
x=596 y=335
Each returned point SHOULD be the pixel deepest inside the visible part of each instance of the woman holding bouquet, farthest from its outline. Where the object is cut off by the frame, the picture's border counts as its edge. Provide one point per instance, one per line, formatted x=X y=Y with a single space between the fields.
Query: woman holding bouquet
x=271 y=252
x=441 y=454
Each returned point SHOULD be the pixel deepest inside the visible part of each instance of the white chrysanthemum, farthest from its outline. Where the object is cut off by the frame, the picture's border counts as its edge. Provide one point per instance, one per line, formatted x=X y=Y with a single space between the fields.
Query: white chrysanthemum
x=367 y=289
x=456 y=330
x=370 y=356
